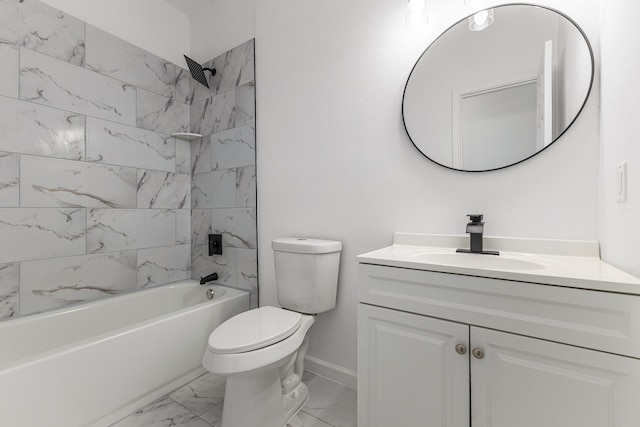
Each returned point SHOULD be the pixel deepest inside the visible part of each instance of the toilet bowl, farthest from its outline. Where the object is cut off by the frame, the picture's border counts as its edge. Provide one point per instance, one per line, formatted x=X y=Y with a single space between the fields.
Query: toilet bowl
x=261 y=351
x=260 y=369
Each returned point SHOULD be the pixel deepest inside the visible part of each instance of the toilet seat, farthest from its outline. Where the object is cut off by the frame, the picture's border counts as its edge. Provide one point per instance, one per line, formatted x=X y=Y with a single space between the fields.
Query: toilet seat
x=253 y=330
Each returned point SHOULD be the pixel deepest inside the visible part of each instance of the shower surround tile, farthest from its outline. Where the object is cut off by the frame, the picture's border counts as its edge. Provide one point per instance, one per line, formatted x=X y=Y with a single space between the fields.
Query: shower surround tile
x=247 y=274
x=35 y=129
x=237 y=226
x=246 y=187
x=248 y=269
x=233 y=68
x=114 y=57
x=37 y=26
x=41 y=233
x=163 y=190
x=9 y=290
x=157 y=266
x=117 y=144
x=161 y=114
x=201 y=156
x=214 y=114
x=236 y=67
x=54 y=283
x=111 y=230
x=200 y=226
x=183 y=156
x=214 y=189
x=183 y=226
x=8 y=69
x=67 y=183
x=183 y=86
x=9 y=179
x=245 y=105
x=233 y=148
x=48 y=81
x=225 y=265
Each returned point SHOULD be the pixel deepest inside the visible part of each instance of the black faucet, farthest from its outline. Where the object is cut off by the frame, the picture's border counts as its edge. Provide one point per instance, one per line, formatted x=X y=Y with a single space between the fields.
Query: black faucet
x=211 y=277
x=475 y=228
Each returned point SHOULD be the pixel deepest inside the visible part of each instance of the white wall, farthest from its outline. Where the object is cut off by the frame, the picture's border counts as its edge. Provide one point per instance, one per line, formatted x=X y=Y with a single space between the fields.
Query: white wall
x=619 y=229
x=221 y=26
x=149 y=24
x=334 y=160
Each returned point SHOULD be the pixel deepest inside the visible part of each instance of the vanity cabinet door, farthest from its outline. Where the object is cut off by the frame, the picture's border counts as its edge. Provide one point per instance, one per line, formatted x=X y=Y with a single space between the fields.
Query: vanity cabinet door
x=526 y=382
x=409 y=371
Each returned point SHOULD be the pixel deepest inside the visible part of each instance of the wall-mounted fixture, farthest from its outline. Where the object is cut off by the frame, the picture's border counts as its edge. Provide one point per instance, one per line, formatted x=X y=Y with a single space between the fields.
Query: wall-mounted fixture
x=215 y=244
x=416 y=14
x=197 y=71
x=481 y=20
x=187 y=136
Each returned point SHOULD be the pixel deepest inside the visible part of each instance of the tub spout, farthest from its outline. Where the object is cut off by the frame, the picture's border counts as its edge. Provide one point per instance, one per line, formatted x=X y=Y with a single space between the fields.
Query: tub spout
x=210 y=278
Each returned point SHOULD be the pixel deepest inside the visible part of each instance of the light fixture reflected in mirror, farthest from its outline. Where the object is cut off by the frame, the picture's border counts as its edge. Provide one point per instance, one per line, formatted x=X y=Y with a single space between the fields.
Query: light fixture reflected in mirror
x=481 y=20
x=416 y=14
x=531 y=76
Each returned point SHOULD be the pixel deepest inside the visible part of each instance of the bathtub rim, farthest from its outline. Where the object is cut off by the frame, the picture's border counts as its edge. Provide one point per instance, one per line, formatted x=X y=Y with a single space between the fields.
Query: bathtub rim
x=230 y=293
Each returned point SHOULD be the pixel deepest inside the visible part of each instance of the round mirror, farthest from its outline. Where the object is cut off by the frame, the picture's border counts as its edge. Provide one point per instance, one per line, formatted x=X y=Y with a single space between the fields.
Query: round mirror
x=498 y=87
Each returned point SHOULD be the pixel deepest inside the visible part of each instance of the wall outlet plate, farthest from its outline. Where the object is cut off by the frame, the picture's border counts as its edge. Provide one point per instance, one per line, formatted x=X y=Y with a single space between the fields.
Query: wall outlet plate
x=621 y=182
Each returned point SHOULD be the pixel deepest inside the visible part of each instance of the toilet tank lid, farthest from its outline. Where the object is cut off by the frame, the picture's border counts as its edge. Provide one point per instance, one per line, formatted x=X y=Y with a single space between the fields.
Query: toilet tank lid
x=305 y=245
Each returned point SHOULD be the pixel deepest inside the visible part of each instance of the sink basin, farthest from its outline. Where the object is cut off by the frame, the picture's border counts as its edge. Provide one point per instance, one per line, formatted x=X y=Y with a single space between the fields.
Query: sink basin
x=499 y=262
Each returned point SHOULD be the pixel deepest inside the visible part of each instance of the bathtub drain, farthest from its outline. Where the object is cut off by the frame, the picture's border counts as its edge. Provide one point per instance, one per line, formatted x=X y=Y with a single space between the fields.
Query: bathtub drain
x=210 y=293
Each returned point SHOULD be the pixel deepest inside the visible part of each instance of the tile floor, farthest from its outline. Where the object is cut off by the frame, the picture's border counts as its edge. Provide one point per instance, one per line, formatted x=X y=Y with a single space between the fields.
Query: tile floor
x=199 y=404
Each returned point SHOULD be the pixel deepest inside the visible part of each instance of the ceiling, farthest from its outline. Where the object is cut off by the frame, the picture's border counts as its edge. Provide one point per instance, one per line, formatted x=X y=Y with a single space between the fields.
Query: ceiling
x=191 y=8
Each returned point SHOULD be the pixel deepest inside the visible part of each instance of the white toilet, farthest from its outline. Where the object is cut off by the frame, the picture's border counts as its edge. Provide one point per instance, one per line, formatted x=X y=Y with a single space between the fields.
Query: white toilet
x=261 y=351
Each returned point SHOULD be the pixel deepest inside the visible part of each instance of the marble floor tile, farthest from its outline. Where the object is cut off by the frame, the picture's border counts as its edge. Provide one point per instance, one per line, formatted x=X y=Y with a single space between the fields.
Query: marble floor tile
x=308 y=376
x=201 y=395
x=214 y=415
x=305 y=420
x=162 y=413
x=199 y=404
x=331 y=402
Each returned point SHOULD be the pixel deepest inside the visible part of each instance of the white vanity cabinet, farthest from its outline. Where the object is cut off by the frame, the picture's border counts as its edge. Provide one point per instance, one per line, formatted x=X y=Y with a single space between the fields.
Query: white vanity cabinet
x=448 y=350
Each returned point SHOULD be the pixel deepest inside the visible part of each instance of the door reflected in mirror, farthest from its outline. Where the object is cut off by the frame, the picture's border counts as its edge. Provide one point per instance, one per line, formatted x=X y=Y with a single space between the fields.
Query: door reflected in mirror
x=479 y=100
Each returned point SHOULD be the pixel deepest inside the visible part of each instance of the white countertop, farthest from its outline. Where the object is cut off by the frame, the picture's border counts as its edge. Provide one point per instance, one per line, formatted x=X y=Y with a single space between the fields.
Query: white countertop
x=568 y=263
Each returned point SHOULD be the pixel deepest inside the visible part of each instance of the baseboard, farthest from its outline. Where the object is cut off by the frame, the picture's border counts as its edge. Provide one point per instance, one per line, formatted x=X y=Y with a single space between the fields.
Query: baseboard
x=333 y=372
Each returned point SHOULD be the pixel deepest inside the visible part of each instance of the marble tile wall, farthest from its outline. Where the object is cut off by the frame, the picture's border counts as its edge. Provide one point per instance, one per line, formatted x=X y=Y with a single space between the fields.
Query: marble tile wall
x=223 y=167
x=95 y=196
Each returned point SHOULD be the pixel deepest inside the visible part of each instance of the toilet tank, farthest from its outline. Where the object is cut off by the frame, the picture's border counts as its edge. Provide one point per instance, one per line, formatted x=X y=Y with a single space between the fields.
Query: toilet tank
x=306 y=273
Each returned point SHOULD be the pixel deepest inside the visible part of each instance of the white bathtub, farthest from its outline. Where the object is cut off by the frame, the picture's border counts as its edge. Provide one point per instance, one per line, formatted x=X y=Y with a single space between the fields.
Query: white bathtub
x=92 y=364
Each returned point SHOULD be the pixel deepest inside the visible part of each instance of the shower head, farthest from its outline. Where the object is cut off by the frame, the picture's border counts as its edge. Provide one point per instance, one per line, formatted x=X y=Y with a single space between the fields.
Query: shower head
x=197 y=72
